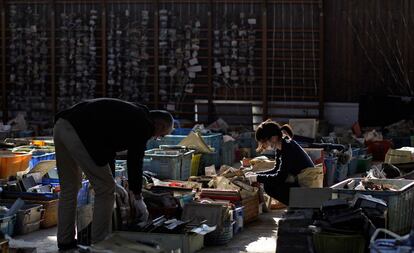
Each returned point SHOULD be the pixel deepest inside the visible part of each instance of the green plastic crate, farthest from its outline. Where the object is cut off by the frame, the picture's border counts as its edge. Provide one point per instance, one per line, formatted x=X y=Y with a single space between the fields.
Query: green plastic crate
x=169 y=164
x=338 y=243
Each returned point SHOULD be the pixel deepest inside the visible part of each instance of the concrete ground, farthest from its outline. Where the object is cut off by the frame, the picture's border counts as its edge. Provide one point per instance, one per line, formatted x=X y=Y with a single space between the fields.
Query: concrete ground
x=259 y=236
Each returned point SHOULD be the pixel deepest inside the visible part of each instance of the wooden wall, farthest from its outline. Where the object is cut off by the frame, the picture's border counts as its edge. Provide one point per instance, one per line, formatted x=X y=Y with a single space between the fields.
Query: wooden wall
x=368 y=48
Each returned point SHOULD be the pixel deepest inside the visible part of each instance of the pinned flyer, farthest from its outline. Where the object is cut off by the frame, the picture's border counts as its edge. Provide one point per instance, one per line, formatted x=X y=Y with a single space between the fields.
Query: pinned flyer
x=251 y=21
x=210 y=171
x=193 y=61
x=189 y=88
x=171 y=107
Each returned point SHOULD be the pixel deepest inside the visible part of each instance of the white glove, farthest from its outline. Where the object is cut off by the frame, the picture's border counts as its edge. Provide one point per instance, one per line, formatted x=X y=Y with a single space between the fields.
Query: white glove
x=252 y=177
x=122 y=193
x=141 y=211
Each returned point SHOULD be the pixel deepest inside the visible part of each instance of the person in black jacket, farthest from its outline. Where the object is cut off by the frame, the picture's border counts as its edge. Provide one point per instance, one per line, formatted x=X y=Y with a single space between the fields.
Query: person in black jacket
x=290 y=158
x=87 y=137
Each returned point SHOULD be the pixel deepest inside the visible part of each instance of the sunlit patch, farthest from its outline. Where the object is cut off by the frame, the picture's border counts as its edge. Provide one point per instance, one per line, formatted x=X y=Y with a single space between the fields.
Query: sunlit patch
x=263 y=245
x=52 y=238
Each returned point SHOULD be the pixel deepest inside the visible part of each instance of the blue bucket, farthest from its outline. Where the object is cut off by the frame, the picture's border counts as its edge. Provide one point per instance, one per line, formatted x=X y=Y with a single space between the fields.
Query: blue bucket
x=330 y=164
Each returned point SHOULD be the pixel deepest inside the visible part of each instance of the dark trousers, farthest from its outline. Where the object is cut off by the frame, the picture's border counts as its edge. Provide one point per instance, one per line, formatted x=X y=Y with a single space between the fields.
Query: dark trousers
x=279 y=192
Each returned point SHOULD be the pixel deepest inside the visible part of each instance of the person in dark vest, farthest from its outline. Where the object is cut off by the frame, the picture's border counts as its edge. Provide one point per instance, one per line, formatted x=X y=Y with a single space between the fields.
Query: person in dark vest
x=290 y=160
x=87 y=137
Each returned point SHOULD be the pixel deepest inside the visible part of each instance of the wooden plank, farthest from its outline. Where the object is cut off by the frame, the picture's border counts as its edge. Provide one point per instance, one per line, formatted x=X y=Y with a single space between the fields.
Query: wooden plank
x=321 y=60
x=156 y=53
x=3 y=62
x=104 y=49
x=52 y=67
x=210 y=63
x=264 y=59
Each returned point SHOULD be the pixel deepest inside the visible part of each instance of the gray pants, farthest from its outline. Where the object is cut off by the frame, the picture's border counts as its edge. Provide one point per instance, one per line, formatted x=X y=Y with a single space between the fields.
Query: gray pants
x=71 y=158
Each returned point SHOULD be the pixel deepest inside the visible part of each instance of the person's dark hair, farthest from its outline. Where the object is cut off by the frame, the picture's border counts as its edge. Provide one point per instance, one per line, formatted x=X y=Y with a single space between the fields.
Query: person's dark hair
x=288 y=130
x=267 y=129
x=162 y=117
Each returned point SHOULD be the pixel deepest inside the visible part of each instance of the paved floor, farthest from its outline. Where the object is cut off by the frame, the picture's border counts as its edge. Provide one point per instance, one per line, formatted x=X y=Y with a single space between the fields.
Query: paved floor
x=259 y=236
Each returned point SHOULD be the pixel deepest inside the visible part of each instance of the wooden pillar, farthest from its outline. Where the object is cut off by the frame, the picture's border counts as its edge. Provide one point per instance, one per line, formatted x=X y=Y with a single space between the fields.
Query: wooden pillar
x=52 y=20
x=321 y=59
x=264 y=60
x=210 y=62
x=103 y=39
x=156 y=54
x=3 y=61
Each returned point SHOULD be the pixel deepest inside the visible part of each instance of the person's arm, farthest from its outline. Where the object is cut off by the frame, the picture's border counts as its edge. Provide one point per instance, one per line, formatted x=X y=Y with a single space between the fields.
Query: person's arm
x=281 y=172
x=275 y=168
x=278 y=177
x=135 y=159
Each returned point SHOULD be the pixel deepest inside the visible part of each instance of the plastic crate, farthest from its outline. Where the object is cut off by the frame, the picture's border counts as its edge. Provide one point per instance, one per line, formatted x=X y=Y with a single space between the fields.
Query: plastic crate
x=388 y=245
x=213 y=140
x=174 y=164
x=210 y=159
x=13 y=162
x=353 y=163
x=341 y=172
x=228 y=151
x=378 y=149
x=238 y=220
x=36 y=158
x=352 y=166
x=195 y=164
x=364 y=163
x=185 y=198
x=400 y=142
x=247 y=140
x=400 y=203
x=83 y=194
x=7 y=225
x=221 y=235
x=338 y=243
x=330 y=165
x=355 y=152
x=50 y=181
x=181 y=131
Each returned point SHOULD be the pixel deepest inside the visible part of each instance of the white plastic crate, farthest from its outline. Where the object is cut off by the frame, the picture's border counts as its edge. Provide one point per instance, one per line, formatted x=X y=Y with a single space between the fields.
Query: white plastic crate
x=169 y=164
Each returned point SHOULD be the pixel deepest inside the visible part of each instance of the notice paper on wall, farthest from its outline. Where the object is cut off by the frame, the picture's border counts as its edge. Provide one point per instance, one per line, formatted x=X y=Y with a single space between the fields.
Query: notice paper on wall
x=210 y=171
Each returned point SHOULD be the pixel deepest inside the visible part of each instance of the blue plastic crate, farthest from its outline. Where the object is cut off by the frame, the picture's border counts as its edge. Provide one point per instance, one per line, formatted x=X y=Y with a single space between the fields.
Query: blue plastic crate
x=29 y=195
x=83 y=194
x=228 y=150
x=181 y=131
x=353 y=166
x=36 y=158
x=330 y=164
x=400 y=142
x=247 y=140
x=388 y=245
x=238 y=220
x=355 y=152
x=47 y=181
x=210 y=159
x=7 y=225
x=341 y=172
x=213 y=140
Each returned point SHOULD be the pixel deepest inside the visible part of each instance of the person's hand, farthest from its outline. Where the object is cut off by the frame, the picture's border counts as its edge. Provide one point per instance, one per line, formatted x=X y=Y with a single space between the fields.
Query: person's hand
x=252 y=177
x=122 y=193
x=141 y=211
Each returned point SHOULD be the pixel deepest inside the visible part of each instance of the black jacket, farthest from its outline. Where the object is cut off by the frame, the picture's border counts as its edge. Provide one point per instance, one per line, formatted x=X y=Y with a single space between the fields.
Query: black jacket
x=107 y=126
x=291 y=159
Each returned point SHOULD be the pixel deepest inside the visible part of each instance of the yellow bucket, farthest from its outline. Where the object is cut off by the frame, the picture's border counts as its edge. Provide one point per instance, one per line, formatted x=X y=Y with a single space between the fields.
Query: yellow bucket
x=195 y=164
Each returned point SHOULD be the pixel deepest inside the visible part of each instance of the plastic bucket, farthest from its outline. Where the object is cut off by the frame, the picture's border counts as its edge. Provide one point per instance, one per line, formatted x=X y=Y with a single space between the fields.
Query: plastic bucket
x=330 y=165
